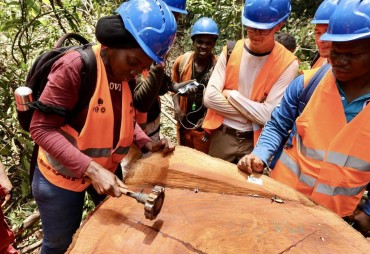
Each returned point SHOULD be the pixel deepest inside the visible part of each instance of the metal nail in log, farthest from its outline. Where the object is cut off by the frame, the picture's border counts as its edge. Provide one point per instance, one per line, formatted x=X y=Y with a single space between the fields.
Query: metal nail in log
x=152 y=202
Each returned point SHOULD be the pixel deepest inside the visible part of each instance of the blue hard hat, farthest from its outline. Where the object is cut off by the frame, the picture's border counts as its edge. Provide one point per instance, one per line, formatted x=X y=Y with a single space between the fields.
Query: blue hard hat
x=204 y=26
x=152 y=24
x=350 y=21
x=325 y=10
x=177 y=5
x=265 y=14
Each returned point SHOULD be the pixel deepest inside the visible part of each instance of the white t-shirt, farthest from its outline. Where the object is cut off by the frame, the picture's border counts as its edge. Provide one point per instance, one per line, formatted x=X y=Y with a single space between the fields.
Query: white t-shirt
x=238 y=110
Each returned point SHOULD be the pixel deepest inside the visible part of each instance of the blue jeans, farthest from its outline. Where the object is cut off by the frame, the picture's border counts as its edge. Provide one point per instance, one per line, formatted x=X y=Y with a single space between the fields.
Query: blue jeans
x=61 y=213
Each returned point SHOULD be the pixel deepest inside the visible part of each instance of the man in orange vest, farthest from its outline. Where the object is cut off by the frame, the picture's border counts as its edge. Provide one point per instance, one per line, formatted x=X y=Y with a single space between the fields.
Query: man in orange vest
x=329 y=158
x=6 y=235
x=243 y=91
x=194 y=65
x=154 y=82
x=321 y=21
x=85 y=151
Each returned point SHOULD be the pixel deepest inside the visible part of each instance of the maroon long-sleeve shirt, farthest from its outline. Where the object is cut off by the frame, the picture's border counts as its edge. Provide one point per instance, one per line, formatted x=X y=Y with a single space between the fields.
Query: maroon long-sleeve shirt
x=62 y=90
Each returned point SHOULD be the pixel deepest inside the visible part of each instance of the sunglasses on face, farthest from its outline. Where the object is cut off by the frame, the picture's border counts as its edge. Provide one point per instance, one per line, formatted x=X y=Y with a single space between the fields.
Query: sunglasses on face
x=261 y=31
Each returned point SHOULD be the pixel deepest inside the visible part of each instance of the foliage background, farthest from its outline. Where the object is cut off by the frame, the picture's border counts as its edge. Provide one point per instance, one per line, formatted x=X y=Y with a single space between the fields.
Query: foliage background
x=29 y=27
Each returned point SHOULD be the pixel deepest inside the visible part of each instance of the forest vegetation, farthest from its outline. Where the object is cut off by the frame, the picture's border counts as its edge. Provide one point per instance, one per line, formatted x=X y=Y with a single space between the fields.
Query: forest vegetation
x=28 y=27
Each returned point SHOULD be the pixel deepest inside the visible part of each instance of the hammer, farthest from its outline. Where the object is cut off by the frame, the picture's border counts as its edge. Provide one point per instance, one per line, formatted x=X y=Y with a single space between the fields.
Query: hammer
x=152 y=202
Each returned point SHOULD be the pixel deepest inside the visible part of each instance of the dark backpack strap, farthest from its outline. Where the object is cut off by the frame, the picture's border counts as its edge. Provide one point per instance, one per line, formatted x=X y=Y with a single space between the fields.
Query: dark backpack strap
x=311 y=86
x=315 y=58
x=47 y=109
x=88 y=78
x=229 y=49
x=70 y=36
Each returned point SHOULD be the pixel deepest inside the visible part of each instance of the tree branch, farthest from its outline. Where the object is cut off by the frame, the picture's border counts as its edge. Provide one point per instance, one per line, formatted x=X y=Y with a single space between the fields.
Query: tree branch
x=57 y=16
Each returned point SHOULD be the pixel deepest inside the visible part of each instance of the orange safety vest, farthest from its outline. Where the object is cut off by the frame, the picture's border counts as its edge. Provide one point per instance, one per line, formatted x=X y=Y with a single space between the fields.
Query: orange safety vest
x=277 y=62
x=96 y=136
x=185 y=73
x=329 y=160
x=319 y=62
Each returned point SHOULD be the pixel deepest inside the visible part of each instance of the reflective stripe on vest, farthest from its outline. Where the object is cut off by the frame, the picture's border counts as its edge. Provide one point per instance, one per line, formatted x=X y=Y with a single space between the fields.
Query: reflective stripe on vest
x=333 y=158
x=105 y=152
x=331 y=164
x=294 y=168
x=333 y=191
x=310 y=181
x=277 y=62
x=348 y=161
x=96 y=136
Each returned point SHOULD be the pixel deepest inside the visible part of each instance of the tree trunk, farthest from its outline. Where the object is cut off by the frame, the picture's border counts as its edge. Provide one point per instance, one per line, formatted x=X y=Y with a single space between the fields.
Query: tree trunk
x=210 y=207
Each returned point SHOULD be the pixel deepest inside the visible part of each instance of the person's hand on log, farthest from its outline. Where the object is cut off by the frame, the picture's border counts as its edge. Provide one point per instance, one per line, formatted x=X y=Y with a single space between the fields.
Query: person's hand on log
x=250 y=163
x=104 y=181
x=164 y=144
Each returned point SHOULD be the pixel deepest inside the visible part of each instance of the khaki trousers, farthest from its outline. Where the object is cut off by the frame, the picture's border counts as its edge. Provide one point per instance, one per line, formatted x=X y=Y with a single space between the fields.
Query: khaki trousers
x=228 y=147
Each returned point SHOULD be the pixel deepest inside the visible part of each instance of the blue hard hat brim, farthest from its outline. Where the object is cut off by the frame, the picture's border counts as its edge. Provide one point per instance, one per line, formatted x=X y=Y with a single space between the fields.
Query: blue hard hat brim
x=195 y=34
x=143 y=46
x=263 y=26
x=174 y=9
x=344 y=37
x=320 y=21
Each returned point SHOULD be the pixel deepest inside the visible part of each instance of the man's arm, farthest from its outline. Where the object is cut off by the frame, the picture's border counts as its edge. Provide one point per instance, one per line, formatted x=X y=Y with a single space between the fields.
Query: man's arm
x=213 y=97
x=140 y=138
x=282 y=120
x=148 y=88
x=146 y=144
x=275 y=131
x=260 y=112
x=62 y=91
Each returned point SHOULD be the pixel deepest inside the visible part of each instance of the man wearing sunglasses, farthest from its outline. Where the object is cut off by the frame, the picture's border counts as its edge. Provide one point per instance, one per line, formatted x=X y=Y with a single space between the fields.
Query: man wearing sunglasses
x=328 y=158
x=243 y=90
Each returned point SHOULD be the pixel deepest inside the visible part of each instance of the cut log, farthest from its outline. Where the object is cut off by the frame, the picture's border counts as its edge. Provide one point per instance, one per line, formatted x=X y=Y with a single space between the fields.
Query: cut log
x=210 y=207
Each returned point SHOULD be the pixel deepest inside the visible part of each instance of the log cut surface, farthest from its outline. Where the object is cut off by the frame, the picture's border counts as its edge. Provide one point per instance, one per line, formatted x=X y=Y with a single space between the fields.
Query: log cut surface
x=210 y=207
